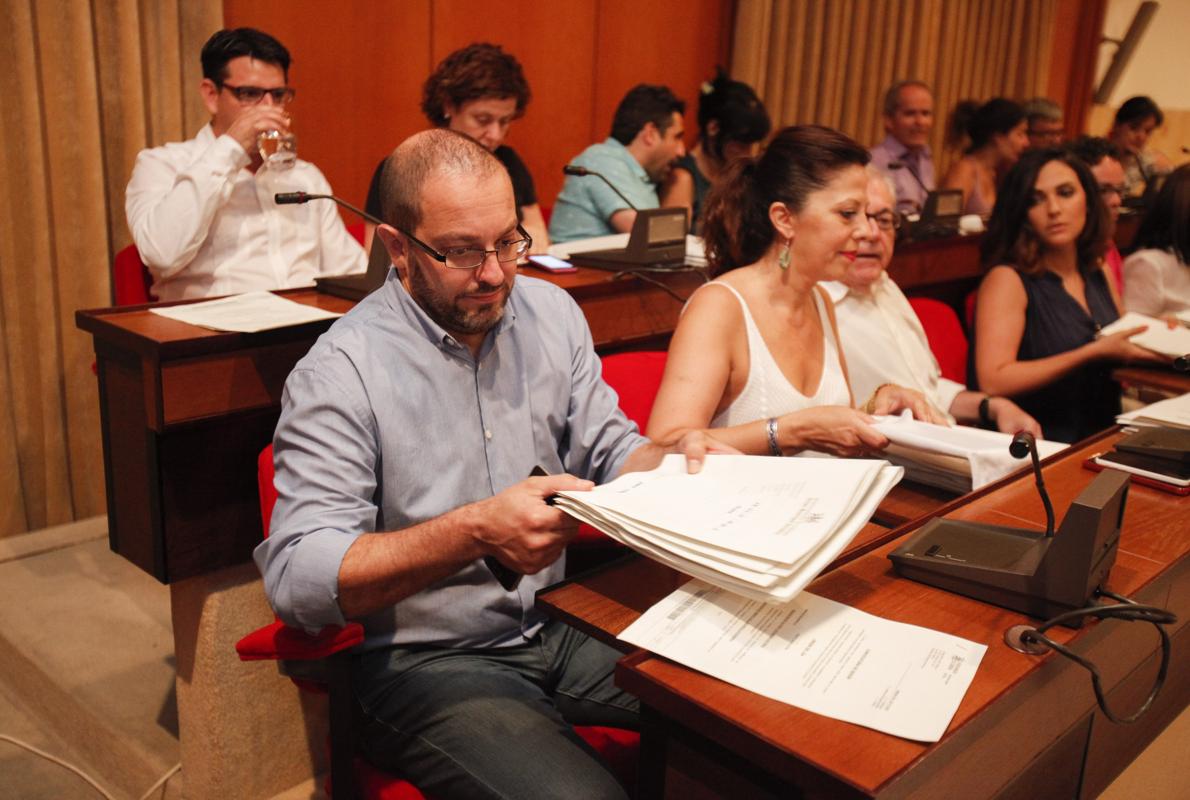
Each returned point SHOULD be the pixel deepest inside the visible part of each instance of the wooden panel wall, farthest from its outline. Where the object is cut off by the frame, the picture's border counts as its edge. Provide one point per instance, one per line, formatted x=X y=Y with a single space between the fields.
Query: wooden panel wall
x=359 y=68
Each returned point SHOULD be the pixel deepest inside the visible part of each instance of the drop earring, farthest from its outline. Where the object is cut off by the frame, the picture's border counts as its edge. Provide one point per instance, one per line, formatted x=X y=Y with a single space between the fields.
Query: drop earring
x=783 y=257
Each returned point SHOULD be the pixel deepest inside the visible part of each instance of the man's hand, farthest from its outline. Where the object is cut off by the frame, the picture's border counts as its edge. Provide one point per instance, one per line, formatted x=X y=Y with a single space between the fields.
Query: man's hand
x=893 y=399
x=255 y=120
x=520 y=530
x=1011 y=418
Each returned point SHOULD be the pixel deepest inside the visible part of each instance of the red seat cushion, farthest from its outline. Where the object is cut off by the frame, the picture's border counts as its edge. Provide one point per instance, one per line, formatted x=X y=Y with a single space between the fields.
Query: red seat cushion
x=945 y=335
x=279 y=641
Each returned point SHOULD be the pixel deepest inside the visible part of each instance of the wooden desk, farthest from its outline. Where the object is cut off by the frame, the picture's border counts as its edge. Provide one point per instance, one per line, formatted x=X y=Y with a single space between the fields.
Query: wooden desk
x=184 y=411
x=1028 y=726
x=1164 y=382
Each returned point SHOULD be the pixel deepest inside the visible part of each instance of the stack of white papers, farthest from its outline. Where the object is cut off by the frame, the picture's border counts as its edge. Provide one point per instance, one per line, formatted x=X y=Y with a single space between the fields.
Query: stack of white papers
x=818 y=655
x=1173 y=413
x=1159 y=338
x=957 y=458
x=246 y=313
x=695 y=252
x=761 y=527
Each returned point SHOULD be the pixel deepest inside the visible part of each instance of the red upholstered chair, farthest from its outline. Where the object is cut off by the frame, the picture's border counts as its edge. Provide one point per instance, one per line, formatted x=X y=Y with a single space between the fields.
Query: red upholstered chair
x=356 y=229
x=351 y=776
x=130 y=278
x=635 y=377
x=945 y=335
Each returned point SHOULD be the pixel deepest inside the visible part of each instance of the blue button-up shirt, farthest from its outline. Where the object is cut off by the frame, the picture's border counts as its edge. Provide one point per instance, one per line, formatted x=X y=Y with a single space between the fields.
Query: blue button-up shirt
x=389 y=421
x=585 y=205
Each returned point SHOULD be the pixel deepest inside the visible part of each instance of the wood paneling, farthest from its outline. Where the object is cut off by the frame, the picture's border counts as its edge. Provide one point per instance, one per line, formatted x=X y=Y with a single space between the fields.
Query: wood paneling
x=359 y=68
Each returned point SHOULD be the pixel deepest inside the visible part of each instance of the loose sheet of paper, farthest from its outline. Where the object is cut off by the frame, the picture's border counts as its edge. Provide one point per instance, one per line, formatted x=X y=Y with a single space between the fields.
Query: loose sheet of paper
x=246 y=313
x=1174 y=412
x=818 y=655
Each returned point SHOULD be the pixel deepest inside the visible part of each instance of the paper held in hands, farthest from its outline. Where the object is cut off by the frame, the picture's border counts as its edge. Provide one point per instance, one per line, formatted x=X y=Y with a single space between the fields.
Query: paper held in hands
x=246 y=313
x=818 y=655
x=761 y=527
x=956 y=457
x=1160 y=338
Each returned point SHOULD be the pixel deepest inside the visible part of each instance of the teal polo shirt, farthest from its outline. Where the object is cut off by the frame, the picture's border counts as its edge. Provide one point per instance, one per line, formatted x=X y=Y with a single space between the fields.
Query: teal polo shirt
x=585 y=205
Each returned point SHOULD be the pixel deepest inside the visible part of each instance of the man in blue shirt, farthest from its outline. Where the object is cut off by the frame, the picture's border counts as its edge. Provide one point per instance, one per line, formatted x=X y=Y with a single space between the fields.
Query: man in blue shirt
x=406 y=437
x=904 y=154
x=645 y=142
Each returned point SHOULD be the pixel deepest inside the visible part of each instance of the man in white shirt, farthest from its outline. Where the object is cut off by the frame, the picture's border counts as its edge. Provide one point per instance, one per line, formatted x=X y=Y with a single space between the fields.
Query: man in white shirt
x=884 y=342
x=201 y=212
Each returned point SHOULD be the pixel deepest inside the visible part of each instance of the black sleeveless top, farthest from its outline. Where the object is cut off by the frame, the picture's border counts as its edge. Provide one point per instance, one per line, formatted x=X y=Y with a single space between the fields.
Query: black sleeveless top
x=702 y=185
x=1086 y=400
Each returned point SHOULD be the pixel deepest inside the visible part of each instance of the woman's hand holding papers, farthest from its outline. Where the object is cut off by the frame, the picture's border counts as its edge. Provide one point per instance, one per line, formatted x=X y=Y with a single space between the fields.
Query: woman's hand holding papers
x=695 y=445
x=837 y=430
x=520 y=530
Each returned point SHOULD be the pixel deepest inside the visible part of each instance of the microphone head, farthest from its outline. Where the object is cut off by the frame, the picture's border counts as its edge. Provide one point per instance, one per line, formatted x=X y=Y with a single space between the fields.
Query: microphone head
x=1022 y=443
x=289 y=198
x=571 y=169
x=1182 y=363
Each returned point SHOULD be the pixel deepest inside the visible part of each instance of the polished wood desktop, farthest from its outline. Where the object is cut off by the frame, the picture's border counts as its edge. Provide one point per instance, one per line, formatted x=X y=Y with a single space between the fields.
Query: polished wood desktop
x=1158 y=381
x=1028 y=726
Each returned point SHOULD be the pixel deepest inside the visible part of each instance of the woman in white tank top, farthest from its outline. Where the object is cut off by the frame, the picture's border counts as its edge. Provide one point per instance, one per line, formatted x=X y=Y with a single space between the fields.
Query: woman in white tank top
x=756 y=353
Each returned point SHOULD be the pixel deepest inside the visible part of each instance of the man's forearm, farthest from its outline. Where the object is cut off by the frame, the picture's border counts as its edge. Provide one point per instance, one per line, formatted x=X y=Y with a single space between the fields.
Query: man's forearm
x=381 y=569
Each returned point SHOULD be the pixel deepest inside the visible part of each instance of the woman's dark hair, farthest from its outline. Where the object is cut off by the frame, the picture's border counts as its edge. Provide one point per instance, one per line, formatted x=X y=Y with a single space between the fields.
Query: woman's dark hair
x=477 y=71
x=979 y=123
x=1166 y=226
x=1135 y=110
x=227 y=44
x=1010 y=238
x=799 y=160
x=737 y=109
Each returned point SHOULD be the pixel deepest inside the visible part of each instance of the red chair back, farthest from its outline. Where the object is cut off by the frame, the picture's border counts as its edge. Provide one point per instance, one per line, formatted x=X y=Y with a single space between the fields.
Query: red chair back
x=636 y=377
x=945 y=335
x=130 y=278
x=356 y=229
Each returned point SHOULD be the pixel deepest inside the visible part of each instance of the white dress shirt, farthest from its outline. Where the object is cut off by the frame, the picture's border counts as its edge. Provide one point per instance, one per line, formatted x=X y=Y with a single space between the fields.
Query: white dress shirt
x=1156 y=283
x=207 y=226
x=884 y=342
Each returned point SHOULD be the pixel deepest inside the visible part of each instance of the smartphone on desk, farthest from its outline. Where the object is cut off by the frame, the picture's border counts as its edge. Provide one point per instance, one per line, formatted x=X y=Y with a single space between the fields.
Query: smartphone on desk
x=1158 y=469
x=551 y=264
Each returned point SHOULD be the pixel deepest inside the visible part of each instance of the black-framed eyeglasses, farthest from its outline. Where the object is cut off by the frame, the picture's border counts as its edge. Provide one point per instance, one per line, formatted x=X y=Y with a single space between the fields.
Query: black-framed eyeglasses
x=472 y=257
x=252 y=95
x=886 y=220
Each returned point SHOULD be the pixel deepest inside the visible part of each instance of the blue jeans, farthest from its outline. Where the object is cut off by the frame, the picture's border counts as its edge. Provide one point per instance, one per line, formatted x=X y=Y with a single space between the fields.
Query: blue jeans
x=494 y=723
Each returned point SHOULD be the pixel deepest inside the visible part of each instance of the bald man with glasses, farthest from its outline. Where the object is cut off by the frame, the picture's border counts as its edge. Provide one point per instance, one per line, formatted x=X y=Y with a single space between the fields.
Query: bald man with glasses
x=201 y=212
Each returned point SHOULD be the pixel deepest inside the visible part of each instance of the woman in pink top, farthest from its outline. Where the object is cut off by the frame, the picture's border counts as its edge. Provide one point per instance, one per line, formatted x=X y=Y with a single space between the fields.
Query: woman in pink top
x=996 y=132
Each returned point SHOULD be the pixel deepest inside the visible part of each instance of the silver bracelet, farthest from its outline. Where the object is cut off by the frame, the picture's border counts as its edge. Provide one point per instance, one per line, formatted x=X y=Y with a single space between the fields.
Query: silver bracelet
x=771 y=428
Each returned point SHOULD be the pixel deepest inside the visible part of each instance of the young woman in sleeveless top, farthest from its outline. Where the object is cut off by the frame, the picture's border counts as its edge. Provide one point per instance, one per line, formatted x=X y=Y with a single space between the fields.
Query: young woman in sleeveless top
x=1045 y=298
x=756 y=352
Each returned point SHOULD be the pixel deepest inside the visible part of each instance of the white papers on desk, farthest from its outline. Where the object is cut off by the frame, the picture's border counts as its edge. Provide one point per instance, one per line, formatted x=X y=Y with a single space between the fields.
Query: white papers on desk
x=1173 y=413
x=246 y=313
x=762 y=527
x=695 y=252
x=955 y=457
x=1159 y=338
x=818 y=655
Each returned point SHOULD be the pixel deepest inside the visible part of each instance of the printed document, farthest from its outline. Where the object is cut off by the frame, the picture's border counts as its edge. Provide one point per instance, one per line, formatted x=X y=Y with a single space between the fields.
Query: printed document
x=818 y=655
x=1174 y=413
x=246 y=313
x=1159 y=338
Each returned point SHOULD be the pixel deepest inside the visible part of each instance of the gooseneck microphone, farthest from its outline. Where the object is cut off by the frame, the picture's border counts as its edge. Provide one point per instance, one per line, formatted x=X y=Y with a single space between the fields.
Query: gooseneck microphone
x=582 y=172
x=297 y=198
x=895 y=165
x=1024 y=444
x=1182 y=363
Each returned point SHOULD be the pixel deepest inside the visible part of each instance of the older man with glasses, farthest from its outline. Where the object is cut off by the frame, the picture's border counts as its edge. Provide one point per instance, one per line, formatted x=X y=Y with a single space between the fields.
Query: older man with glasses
x=404 y=451
x=201 y=212
x=882 y=338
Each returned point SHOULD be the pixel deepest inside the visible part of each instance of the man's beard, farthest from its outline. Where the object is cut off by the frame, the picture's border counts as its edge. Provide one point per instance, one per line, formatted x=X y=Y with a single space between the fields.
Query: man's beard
x=450 y=316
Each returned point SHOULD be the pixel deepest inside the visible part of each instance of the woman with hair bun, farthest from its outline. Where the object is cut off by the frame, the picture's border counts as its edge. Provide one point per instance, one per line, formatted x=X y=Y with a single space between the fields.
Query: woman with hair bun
x=996 y=136
x=756 y=353
x=731 y=121
x=1135 y=120
x=479 y=91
